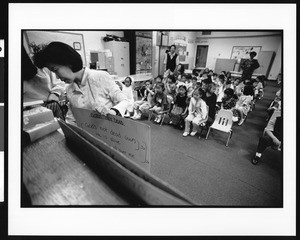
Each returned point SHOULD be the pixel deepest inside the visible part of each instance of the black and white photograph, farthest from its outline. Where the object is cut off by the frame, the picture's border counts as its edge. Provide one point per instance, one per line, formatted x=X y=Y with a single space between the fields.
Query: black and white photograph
x=199 y=115
x=139 y=120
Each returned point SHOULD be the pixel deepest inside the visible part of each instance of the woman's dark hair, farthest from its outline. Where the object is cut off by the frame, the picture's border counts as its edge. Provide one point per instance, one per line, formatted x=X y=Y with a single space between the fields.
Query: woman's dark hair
x=28 y=70
x=229 y=92
x=58 y=53
x=253 y=53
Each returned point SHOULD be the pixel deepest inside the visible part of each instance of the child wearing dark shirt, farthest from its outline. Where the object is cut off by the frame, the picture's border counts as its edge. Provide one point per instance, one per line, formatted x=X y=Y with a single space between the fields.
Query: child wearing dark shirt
x=211 y=101
x=180 y=106
x=160 y=101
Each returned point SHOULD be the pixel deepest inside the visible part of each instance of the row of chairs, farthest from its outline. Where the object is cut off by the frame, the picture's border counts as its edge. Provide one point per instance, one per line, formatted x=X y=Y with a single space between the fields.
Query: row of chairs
x=223 y=121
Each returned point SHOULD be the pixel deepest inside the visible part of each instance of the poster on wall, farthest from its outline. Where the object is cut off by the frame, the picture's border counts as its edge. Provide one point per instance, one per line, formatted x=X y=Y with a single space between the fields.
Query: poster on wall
x=36 y=40
x=143 y=54
x=181 y=50
x=239 y=52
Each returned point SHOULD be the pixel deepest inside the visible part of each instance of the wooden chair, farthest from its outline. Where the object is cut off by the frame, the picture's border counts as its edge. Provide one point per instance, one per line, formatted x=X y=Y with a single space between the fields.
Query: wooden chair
x=223 y=123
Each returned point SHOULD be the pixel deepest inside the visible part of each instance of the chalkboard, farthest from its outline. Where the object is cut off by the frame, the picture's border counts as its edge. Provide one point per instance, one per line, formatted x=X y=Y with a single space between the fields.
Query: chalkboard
x=239 y=52
x=75 y=40
x=224 y=64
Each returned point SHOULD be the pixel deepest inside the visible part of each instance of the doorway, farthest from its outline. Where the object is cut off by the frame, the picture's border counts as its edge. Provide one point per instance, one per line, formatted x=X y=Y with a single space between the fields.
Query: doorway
x=201 y=56
x=162 y=54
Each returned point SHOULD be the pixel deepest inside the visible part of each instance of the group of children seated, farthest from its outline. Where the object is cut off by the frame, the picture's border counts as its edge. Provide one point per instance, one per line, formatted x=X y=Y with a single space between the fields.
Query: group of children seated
x=192 y=100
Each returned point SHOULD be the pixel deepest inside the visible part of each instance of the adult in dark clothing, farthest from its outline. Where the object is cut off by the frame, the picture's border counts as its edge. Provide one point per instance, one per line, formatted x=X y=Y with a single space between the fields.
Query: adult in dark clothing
x=272 y=137
x=211 y=101
x=248 y=66
x=171 y=59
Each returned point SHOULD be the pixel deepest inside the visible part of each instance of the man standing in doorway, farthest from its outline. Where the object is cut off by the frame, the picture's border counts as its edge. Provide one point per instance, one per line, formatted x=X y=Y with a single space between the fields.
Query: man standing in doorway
x=249 y=66
x=171 y=60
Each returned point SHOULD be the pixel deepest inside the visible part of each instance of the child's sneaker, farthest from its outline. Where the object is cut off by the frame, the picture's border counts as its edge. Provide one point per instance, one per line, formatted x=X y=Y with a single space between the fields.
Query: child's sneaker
x=159 y=119
x=202 y=124
x=255 y=160
x=193 y=133
x=185 y=134
x=235 y=119
x=241 y=121
x=127 y=115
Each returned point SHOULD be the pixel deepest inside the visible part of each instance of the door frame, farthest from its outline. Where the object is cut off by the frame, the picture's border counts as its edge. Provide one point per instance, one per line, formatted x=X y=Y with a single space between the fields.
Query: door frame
x=197 y=52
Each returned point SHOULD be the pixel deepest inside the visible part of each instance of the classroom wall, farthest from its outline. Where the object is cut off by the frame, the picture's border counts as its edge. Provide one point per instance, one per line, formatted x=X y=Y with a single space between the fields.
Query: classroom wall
x=187 y=38
x=93 y=40
x=221 y=47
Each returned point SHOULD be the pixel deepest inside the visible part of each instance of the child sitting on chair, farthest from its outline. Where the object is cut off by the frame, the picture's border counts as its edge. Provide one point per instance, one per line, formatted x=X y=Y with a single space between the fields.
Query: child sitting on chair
x=197 y=112
x=160 y=101
x=243 y=105
x=180 y=106
x=158 y=79
x=170 y=88
x=144 y=104
x=259 y=87
x=229 y=101
x=126 y=88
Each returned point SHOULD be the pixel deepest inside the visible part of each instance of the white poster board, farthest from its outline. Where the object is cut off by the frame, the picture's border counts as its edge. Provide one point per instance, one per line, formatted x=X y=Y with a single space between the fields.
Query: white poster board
x=125 y=135
x=75 y=40
x=239 y=52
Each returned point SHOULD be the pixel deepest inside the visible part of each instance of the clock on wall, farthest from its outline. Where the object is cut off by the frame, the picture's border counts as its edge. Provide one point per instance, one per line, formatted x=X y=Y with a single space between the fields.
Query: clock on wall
x=77 y=45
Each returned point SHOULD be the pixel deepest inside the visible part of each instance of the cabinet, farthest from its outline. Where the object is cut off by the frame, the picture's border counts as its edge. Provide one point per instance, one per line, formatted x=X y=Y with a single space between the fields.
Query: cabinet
x=120 y=57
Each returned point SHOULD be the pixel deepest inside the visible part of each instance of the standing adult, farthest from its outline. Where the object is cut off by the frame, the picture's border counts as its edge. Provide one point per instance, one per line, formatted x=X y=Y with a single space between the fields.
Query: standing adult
x=249 y=66
x=41 y=84
x=171 y=59
x=88 y=88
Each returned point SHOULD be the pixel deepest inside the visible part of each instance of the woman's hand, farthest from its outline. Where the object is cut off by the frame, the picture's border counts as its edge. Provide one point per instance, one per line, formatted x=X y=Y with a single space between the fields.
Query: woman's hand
x=103 y=110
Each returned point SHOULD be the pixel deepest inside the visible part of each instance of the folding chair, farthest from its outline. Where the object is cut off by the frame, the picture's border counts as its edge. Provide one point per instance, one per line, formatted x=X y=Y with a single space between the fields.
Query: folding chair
x=223 y=123
x=164 y=113
x=204 y=121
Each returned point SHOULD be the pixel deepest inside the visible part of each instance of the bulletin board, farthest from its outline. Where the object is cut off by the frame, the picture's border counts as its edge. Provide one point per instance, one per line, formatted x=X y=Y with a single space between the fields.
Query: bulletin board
x=143 y=54
x=181 y=50
x=239 y=52
x=75 y=40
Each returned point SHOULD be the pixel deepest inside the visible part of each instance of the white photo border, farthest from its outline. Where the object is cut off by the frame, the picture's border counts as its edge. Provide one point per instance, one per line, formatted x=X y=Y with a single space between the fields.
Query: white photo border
x=152 y=221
